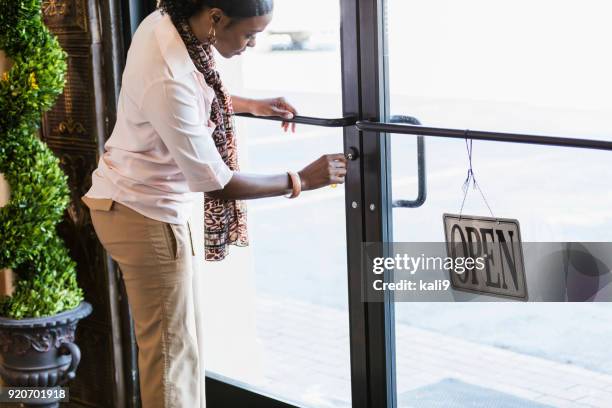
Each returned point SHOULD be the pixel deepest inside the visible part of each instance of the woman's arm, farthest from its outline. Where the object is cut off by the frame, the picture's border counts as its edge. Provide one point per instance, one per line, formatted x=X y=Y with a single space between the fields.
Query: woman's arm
x=328 y=169
x=244 y=186
x=266 y=107
x=242 y=105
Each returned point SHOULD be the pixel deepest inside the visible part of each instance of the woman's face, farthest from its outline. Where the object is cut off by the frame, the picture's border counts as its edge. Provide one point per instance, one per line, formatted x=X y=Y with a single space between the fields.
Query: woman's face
x=235 y=35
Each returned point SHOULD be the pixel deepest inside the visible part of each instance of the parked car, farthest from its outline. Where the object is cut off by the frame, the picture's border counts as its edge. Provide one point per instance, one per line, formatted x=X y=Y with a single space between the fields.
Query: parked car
x=296 y=25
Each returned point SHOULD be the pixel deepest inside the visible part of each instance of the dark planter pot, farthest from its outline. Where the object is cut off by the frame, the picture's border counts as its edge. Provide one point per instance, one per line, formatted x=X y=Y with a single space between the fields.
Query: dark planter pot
x=40 y=352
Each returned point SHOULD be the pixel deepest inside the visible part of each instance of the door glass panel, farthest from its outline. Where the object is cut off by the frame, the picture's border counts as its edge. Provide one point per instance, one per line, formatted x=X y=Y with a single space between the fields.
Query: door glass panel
x=518 y=66
x=276 y=312
x=530 y=67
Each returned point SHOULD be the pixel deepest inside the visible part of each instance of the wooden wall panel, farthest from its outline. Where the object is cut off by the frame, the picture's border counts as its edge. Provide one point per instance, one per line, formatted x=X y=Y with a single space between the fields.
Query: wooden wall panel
x=75 y=129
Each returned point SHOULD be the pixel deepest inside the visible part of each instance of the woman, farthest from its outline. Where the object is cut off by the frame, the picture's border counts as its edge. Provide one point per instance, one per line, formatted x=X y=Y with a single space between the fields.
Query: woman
x=174 y=137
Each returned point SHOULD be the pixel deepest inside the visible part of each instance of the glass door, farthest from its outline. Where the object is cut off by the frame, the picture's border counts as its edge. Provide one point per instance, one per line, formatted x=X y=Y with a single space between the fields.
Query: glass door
x=525 y=67
x=281 y=329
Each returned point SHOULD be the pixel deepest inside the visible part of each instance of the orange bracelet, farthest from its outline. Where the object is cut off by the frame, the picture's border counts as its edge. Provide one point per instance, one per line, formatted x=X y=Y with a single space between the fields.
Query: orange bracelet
x=296 y=184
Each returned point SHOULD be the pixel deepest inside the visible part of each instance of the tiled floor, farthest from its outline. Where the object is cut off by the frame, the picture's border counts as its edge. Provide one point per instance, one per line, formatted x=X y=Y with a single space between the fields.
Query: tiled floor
x=307 y=359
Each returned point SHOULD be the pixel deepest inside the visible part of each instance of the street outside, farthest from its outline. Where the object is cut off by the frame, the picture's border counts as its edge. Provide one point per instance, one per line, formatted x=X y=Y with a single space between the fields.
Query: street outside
x=557 y=194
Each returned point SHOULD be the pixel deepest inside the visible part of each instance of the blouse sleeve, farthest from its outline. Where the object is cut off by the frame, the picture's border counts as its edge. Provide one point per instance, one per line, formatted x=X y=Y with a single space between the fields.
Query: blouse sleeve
x=174 y=110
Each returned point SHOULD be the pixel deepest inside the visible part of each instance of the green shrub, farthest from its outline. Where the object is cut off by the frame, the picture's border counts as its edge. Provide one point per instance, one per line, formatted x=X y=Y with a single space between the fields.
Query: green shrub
x=29 y=243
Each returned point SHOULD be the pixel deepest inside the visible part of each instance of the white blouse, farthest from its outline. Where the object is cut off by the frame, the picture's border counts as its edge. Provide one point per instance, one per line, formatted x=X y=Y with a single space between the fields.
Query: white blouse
x=161 y=150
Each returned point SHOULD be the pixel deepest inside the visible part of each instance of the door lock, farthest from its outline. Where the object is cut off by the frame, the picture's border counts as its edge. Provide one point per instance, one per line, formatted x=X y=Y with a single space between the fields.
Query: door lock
x=352 y=154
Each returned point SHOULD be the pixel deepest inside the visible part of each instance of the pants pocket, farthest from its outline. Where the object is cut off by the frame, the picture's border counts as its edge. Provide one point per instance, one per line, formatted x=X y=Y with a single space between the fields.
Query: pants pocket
x=171 y=241
x=190 y=239
x=99 y=204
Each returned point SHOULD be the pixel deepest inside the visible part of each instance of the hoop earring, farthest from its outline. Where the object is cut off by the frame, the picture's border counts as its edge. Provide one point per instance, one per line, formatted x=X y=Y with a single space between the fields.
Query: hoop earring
x=212 y=36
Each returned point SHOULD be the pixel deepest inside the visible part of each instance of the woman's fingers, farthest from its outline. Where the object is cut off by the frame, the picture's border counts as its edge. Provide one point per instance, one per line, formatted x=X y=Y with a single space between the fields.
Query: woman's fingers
x=287 y=106
x=339 y=169
x=338 y=160
x=339 y=179
x=339 y=165
x=340 y=173
x=329 y=169
x=337 y=156
x=280 y=109
x=289 y=112
x=286 y=126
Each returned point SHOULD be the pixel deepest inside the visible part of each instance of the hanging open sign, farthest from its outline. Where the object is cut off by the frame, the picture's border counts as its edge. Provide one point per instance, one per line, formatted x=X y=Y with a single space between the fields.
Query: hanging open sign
x=490 y=253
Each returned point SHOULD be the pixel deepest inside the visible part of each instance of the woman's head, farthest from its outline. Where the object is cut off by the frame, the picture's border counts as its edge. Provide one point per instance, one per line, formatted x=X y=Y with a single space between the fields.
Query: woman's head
x=233 y=23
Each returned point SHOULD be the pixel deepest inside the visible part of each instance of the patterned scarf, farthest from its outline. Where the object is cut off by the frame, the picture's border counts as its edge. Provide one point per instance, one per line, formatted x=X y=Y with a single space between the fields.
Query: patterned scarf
x=224 y=220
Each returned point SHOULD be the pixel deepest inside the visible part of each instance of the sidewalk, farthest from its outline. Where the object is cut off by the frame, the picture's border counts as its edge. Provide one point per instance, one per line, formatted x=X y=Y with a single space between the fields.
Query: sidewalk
x=306 y=349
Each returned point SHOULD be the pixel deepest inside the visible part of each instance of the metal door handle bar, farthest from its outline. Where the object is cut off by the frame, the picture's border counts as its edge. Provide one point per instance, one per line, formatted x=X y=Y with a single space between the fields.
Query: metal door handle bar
x=480 y=135
x=307 y=120
x=354 y=153
x=422 y=177
x=417 y=130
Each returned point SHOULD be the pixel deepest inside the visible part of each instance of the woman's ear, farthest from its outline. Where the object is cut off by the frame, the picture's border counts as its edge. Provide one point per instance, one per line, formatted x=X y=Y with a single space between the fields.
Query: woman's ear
x=216 y=15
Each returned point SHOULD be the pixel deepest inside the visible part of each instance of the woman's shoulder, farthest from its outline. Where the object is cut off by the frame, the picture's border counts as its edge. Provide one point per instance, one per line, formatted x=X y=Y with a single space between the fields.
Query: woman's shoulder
x=145 y=62
x=157 y=48
x=145 y=40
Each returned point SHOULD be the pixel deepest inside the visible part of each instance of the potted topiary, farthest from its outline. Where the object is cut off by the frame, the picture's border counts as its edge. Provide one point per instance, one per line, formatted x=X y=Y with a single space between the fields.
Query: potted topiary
x=40 y=309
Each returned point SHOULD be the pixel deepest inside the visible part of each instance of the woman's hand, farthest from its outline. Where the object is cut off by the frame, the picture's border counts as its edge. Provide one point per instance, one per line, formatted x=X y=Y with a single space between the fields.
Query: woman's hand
x=274 y=107
x=328 y=169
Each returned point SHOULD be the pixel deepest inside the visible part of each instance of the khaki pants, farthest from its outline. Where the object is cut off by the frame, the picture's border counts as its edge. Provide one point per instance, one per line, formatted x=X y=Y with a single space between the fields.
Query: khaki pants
x=156 y=263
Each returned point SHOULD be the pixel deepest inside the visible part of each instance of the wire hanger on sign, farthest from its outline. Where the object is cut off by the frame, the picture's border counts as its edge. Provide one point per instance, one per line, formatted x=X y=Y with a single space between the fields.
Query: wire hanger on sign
x=471 y=178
